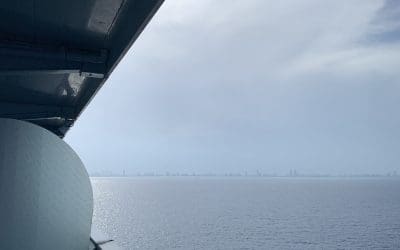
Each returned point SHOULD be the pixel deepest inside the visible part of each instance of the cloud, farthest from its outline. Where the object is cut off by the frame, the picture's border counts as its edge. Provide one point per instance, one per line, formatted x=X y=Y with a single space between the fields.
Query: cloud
x=233 y=85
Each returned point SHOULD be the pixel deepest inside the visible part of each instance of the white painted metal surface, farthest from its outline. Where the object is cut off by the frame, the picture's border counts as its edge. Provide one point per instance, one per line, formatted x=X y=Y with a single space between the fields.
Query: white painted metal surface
x=45 y=191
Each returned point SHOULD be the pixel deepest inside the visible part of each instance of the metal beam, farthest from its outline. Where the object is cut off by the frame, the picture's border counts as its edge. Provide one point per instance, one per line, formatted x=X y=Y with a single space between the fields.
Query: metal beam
x=53 y=52
x=57 y=119
x=34 y=112
x=23 y=58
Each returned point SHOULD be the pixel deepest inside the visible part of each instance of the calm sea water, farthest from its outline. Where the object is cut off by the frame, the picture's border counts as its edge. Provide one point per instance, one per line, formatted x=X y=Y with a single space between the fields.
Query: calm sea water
x=249 y=213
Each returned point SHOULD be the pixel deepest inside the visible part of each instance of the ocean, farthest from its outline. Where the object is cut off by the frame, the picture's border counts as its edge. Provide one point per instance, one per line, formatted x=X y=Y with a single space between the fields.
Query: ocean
x=248 y=213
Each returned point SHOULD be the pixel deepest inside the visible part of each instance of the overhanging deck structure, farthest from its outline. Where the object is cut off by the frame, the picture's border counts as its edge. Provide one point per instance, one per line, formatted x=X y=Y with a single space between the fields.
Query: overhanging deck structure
x=55 y=55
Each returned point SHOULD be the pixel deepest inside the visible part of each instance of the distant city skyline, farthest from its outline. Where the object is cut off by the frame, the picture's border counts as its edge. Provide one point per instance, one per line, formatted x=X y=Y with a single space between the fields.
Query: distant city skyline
x=269 y=86
x=290 y=173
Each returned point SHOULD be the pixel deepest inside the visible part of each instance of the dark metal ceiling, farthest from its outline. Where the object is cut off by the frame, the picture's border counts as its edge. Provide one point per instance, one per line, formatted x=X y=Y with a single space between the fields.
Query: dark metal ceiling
x=55 y=55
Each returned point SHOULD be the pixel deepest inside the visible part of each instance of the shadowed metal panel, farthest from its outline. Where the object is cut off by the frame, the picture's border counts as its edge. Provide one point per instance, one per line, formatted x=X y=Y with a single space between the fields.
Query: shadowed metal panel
x=59 y=53
x=45 y=191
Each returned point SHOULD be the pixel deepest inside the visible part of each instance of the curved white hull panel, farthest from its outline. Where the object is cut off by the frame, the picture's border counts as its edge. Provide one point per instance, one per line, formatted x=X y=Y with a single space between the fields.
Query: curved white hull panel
x=45 y=191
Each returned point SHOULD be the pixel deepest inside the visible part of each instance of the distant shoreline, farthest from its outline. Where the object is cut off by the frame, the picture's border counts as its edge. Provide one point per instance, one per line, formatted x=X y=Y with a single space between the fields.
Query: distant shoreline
x=253 y=176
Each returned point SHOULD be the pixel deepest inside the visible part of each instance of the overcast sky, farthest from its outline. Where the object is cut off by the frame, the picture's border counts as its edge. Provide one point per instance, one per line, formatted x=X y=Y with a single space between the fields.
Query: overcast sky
x=246 y=85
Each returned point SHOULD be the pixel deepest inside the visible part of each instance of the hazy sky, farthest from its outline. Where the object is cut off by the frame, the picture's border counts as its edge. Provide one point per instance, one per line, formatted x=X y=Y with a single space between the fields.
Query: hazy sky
x=228 y=86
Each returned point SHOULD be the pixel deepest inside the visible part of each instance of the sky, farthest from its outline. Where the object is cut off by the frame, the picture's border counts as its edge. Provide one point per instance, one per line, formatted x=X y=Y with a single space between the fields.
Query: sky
x=231 y=86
